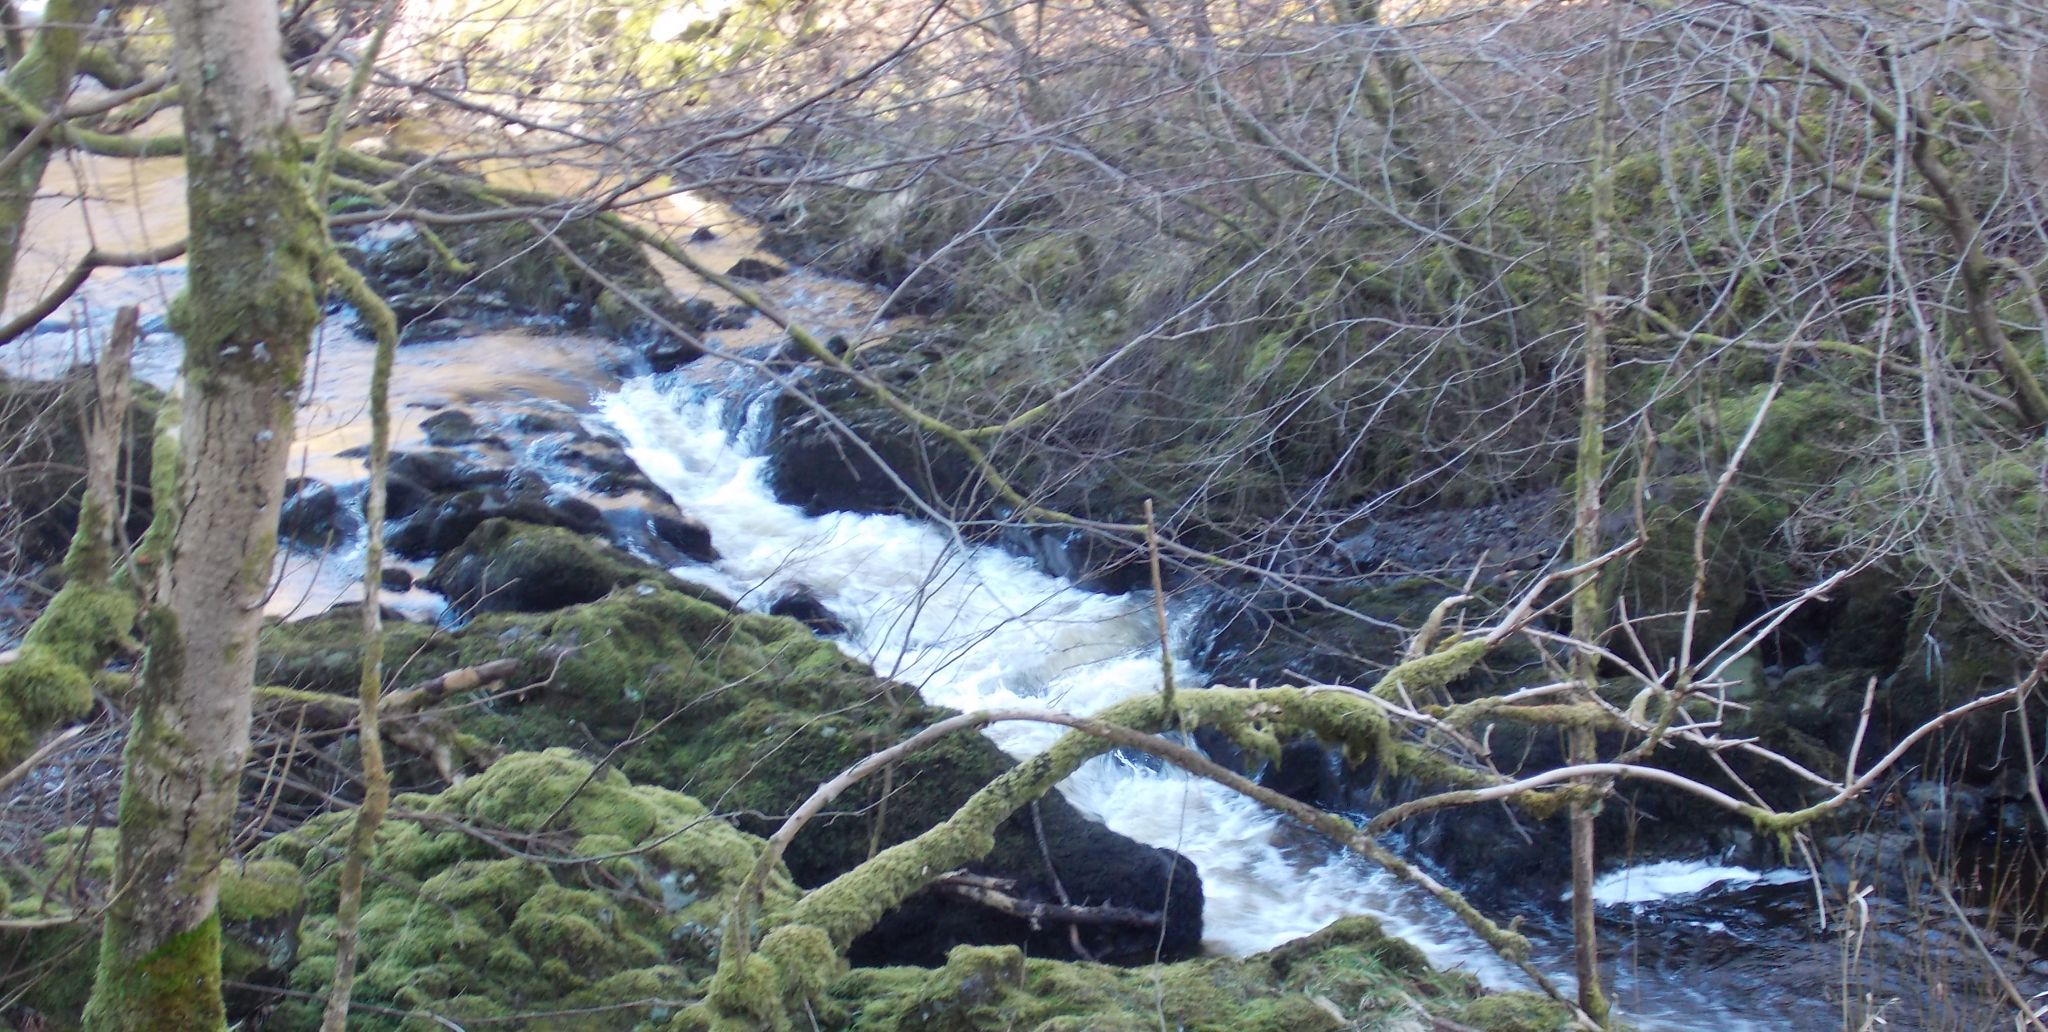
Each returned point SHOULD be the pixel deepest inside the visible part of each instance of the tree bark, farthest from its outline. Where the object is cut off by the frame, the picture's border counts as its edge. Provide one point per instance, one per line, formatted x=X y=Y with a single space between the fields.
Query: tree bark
x=247 y=318
x=1588 y=614
x=43 y=78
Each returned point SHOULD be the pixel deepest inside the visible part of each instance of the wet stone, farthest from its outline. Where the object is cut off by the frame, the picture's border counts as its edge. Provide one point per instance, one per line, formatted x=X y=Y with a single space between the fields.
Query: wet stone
x=450 y=428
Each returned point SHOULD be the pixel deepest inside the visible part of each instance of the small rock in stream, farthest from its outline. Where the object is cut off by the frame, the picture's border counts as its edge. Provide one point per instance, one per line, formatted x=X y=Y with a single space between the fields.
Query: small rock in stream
x=685 y=535
x=756 y=269
x=803 y=607
x=312 y=513
x=451 y=427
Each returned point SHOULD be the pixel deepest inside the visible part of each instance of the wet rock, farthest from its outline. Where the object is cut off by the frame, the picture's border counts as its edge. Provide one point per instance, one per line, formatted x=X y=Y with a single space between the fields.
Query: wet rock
x=395 y=578
x=623 y=482
x=732 y=317
x=1091 y=862
x=669 y=355
x=497 y=274
x=450 y=519
x=576 y=514
x=403 y=496
x=312 y=514
x=703 y=235
x=439 y=471
x=508 y=566
x=759 y=270
x=599 y=455
x=451 y=428
x=686 y=535
x=813 y=468
x=1942 y=813
x=803 y=607
x=545 y=423
x=1305 y=771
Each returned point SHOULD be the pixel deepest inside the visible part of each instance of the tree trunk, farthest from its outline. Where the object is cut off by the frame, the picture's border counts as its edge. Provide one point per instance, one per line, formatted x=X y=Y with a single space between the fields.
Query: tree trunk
x=247 y=318
x=1588 y=614
x=43 y=78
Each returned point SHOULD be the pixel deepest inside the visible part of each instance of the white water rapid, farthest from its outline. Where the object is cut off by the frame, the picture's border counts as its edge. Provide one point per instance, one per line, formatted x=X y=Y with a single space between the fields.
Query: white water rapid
x=975 y=628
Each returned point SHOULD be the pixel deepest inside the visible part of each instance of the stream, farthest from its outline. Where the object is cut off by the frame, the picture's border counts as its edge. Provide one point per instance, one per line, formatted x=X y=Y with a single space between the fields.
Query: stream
x=973 y=627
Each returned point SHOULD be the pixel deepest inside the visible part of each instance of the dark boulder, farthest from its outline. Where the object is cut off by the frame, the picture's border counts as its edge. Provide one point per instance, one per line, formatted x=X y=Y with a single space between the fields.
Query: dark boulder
x=451 y=428
x=537 y=423
x=686 y=535
x=446 y=522
x=803 y=607
x=1094 y=865
x=44 y=476
x=440 y=471
x=813 y=467
x=403 y=497
x=395 y=578
x=313 y=514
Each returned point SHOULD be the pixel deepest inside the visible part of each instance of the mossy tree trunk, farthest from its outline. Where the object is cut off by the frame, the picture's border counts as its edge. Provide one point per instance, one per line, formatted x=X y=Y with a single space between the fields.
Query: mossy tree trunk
x=247 y=318
x=43 y=78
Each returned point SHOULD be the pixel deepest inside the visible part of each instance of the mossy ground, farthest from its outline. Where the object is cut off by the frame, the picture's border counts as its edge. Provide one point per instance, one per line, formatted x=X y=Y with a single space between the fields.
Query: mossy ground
x=1349 y=976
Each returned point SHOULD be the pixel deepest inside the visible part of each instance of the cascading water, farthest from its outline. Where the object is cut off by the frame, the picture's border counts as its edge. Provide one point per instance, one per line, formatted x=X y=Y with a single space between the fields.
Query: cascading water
x=975 y=628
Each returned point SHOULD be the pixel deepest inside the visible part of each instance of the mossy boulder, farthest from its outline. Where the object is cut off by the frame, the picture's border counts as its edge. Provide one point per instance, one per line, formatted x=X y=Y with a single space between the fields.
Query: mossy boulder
x=1349 y=976
x=504 y=566
x=545 y=883
x=750 y=713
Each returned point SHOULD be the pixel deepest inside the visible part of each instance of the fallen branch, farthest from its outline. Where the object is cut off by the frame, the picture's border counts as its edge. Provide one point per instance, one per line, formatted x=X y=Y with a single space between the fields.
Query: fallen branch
x=998 y=894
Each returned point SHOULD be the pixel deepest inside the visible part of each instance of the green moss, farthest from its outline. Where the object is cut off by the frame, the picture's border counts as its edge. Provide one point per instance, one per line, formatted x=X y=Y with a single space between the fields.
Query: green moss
x=175 y=985
x=259 y=891
x=455 y=925
x=1516 y=1012
x=508 y=566
x=1352 y=969
x=50 y=680
x=36 y=690
x=250 y=302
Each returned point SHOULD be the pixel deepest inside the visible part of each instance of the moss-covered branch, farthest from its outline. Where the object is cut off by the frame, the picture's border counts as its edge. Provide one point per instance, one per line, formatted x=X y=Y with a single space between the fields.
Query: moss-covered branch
x=92 y=617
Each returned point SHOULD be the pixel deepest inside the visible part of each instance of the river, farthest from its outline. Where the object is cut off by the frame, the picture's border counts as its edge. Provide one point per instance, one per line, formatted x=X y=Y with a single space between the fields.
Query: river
x=971 y=627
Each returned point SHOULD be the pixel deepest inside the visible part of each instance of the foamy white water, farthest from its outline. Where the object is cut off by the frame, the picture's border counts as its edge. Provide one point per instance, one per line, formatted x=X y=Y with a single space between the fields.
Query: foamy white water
x=1666 y=879
x=976 y=628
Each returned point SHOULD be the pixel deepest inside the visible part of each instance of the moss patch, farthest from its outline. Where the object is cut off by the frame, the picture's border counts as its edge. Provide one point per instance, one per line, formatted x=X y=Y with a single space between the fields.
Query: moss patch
x=1350 y=975
x=570 y=884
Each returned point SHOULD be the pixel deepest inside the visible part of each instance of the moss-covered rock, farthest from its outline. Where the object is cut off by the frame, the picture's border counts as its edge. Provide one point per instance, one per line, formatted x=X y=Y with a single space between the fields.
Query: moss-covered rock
x=539 y=885
x=750 y=713
x=1350 y=976
x=505 y=566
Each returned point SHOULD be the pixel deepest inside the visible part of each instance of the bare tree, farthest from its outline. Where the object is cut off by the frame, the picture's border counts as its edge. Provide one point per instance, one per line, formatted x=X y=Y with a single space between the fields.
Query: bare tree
x=247 y=319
